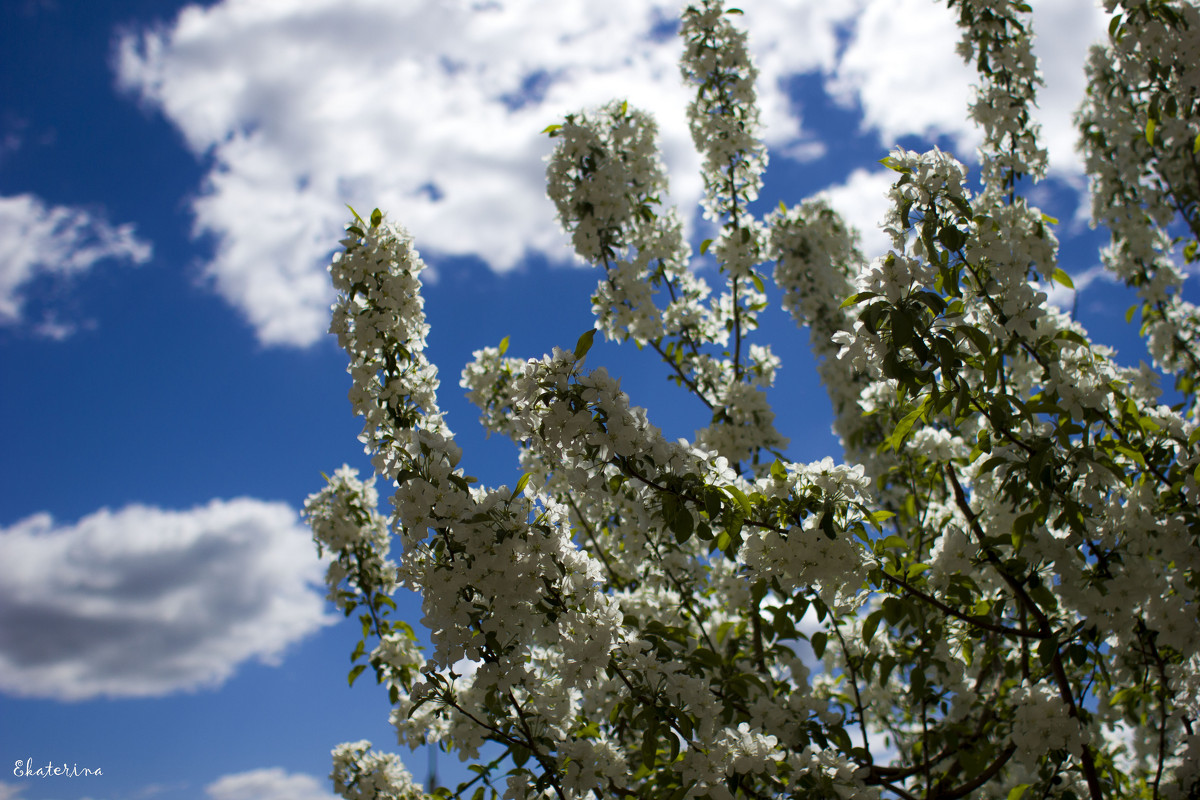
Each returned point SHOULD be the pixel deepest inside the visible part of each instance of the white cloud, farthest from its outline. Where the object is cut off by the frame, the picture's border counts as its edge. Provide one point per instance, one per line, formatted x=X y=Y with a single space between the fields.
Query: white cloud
x=432 y=111
x=901 y=67
x=862 y=200
x=269 y=784
x=1065 y=31
x=10 y=791
x=142 y=602
x=37 y=240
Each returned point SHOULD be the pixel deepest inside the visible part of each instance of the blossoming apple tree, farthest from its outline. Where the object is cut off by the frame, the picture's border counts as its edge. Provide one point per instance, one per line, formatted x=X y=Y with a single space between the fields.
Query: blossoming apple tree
x=995 y=596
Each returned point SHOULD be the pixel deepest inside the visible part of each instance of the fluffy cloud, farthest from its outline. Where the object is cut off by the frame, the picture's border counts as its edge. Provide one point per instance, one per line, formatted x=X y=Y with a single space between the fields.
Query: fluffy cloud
x=37 y=240
x=900 y=67
x=143 y=602
x=862 y=200
x=1066 y=31
x=269 y=784
x=431 y=110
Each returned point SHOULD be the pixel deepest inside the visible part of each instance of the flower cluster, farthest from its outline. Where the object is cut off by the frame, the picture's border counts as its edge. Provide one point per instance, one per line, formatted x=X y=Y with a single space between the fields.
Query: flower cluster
x=1138 y=138
x=1041 y=723
x=603 y=176
x=997 y=36
x=359 y=773
x=345 y=521
x=994 y=595
x=724 y=114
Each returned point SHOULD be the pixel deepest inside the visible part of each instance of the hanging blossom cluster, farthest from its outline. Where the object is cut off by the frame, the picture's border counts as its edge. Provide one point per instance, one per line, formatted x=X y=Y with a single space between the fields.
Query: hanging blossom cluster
x=359 y=773
x=1140 y=143
x=997 y=38
x=345 y=520
x=724 y=114
x=996 y=596
x=608 y=182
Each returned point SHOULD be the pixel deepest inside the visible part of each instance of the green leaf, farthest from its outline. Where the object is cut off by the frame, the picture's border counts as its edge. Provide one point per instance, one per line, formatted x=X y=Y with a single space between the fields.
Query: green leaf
x=1060 y=276
x=723 y=540
x=504 y=345
x=741 y=499
x=734 y=11
x=933 y=302
x=683 y=525
x=902 y=327
x=918 y=680
x=964 y=208
x=870 y=624
x=1046 y=650
x=1196 y=145
x=1133 y=454
x=905 y=425
x=1151 y=124
x=584 y=344
x=625 y=108
x=713 y=500
x=951 y=238
x=355 y=672
x=705 y=245
x=376 y=218
x=522 y=482
x=879 y=517
x=650 y=743
x=1018 y=791
x=857 y=298
x=758 y=283
x=552 y=129
x=893 y=164
x=827 y=525
x=992 y=463
x=819 y=640
x=977 y=337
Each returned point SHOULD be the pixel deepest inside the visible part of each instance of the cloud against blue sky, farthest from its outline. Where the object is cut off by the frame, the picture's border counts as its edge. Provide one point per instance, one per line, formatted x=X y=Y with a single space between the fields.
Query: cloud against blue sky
x=432 y=110
x=143 y=602
x=48 y=243
x=269 y=784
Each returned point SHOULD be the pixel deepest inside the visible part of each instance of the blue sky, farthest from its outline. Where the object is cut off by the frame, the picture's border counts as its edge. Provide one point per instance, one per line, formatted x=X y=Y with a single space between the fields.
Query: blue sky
x=172 y=182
